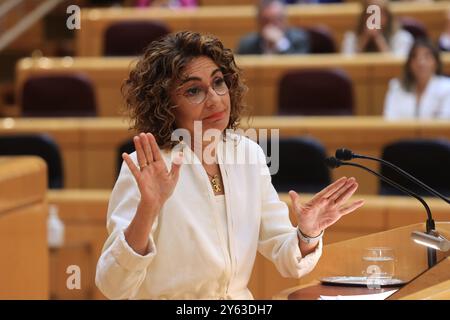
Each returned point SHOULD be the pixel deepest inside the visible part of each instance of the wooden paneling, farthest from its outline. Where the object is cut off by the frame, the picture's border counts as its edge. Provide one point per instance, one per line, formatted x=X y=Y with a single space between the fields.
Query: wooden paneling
x=65 y=132
x=84 y=214
x=24 y=272
x=433 y=285
x=344 y=258
x=89 y=146
x=378 y=214
x=230 y=23
x=370 y=74
x=23 y=181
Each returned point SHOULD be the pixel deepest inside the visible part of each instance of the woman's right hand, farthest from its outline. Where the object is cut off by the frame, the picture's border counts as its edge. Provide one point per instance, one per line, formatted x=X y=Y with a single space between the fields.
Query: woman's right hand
x=155 y=182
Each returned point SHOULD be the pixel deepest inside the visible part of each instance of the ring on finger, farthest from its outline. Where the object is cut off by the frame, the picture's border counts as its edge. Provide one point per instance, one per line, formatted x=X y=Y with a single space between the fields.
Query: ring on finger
x=143 y=166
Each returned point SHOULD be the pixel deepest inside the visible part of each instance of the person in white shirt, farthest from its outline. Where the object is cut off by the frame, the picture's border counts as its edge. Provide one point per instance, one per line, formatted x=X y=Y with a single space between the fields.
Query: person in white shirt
x=444 y=38
x=386 y=37
x=423 y=92
x=186 y=219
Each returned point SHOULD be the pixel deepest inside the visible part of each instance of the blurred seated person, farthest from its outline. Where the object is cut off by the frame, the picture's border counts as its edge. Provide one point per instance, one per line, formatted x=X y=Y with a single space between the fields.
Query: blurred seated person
x=273 y=36
x=164 y=3
x=310 y=1
x=423 y=92
x=388 y=38
x=444 y=39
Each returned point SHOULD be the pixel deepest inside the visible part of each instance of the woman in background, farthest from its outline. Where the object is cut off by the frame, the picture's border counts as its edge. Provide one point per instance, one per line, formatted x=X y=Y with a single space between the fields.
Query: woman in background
x=423 y=92
x=388 y=38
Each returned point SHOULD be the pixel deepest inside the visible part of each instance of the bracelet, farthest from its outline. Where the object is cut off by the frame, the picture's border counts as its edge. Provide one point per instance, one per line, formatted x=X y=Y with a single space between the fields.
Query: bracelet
x=307 y=239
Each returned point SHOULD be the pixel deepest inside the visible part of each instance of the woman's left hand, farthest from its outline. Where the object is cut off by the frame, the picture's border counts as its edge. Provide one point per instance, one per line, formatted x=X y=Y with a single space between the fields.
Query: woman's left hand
x=326 y=207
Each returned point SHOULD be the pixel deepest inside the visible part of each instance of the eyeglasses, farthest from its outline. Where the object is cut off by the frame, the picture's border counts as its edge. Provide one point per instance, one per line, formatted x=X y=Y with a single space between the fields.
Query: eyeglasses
x=197 y=94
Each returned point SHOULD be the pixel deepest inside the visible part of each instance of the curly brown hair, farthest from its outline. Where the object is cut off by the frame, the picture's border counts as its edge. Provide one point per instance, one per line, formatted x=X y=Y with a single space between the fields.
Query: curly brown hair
x=148 y=87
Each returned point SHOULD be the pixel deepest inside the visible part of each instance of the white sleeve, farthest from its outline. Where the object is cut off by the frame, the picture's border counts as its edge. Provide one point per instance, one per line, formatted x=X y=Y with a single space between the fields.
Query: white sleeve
x=278 y=239
x=391 y=101
x=120 y=270
x=349 y=43
x=445 y=112
x=401 y=43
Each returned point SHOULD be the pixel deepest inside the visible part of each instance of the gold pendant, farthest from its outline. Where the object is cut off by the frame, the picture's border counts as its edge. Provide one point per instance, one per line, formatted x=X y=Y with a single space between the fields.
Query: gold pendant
x=215 y=182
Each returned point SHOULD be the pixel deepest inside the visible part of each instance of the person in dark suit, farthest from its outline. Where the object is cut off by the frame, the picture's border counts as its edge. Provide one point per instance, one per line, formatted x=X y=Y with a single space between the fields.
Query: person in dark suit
x=274 y=36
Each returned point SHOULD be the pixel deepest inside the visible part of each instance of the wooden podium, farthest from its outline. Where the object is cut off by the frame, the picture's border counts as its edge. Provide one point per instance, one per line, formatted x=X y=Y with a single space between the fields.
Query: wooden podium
x=345 y=259
x=23 y=228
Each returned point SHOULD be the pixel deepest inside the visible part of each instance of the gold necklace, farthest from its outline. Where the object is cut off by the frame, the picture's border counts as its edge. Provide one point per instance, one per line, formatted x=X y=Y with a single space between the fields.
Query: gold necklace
x=215 y=182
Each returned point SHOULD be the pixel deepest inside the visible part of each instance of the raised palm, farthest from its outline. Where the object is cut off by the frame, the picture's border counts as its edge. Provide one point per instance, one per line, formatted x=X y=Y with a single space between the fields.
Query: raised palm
x=326 y=207
x=155 y=182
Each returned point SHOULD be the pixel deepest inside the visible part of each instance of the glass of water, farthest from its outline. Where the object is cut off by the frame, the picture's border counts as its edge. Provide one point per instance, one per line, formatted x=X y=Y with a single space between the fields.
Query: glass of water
x=378 y=266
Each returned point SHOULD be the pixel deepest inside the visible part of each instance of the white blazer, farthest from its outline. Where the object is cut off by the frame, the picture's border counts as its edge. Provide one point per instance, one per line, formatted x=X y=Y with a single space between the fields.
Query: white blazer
x=189 y=257
x=434 y=104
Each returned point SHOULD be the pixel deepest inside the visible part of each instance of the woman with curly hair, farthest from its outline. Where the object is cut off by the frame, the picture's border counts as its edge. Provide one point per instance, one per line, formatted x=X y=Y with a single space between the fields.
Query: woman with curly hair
x=185 y=219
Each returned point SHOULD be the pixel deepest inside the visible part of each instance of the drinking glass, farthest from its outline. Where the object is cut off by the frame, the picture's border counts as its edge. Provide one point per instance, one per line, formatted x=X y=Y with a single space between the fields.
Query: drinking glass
x=378 y=266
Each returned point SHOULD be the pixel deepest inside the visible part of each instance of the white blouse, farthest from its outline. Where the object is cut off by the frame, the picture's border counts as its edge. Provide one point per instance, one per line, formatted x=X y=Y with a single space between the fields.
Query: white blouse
x=403 y=105
x=400 y=43
x=221 y=209
x=197 y=251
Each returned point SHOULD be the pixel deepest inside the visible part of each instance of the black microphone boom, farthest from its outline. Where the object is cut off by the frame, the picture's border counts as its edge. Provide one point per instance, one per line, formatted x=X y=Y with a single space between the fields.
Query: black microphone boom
x=333 y=163
x=346 y=154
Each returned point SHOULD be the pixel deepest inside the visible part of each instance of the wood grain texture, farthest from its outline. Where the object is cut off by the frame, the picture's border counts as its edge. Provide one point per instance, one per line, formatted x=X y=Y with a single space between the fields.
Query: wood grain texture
x=369 y=72
x=89 y=146
x=24 y=272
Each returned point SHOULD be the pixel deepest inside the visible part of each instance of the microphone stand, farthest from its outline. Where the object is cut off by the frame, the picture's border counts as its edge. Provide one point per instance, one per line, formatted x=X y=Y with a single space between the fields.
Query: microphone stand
x=395 y=168
x=430 y=225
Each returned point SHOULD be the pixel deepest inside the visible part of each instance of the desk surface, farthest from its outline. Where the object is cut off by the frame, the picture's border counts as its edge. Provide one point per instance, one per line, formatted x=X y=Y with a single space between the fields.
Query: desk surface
x=432 y=283
x=315 y=291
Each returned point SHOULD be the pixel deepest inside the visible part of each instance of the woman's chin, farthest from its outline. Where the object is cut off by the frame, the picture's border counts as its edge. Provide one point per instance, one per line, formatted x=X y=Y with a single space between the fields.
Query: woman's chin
x=219 y=124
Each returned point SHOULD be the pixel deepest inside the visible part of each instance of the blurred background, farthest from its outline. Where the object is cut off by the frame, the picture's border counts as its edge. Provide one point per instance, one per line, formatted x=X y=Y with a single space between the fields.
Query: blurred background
x=315 y=69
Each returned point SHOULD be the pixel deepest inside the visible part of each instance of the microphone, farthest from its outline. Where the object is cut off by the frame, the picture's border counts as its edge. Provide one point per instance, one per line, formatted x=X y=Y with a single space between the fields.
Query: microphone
x=333 y=163
x=346 y=154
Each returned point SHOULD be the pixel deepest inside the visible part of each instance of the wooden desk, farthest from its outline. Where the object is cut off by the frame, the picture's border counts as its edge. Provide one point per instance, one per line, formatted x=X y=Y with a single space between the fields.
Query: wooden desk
x=230 y=23
x=434 y=284
x=370 y=74
x=378 y=214
x=314 y=291
x=89 y=146
x=84 y=215
x=344 y=258
x=24 y=272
